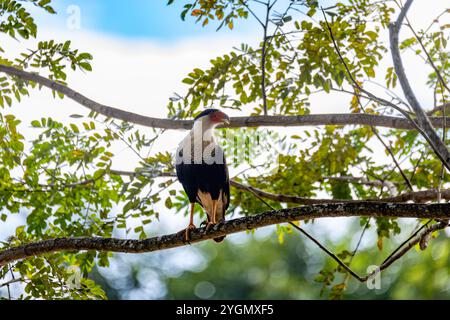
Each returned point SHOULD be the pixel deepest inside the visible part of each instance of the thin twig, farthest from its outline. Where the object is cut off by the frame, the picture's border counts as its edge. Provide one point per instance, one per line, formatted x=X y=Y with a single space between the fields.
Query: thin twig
x=263 y=59
x=413 y=172
x=388 y=149
x=420 y=237
x=322 y=247
x=363 y=232
x=430 y=60
x=252 y=12
x=407 y=241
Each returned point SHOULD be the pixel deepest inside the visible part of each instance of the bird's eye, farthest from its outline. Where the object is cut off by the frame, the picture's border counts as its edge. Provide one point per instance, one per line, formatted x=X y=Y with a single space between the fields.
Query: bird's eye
x=180 y=153
x=215 y=117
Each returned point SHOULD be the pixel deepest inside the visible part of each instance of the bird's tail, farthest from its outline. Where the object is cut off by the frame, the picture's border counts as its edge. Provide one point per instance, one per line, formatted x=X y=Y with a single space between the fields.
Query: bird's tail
x=219 y=239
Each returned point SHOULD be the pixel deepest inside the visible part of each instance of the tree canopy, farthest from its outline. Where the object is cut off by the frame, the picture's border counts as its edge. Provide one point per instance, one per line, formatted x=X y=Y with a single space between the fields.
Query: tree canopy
x=381 y=158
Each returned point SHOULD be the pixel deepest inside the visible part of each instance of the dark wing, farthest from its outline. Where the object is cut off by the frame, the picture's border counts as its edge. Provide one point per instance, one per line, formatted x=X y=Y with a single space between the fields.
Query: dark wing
x=226 y=188
x=212 y=180
x=186 y=174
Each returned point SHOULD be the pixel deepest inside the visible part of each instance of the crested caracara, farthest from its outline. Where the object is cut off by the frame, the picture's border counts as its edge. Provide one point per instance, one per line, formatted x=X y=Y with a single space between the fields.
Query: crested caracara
x=202 y=169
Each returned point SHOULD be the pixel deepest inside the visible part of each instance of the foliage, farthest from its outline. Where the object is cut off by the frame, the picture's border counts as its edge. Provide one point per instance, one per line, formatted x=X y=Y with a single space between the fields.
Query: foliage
x=62 y=178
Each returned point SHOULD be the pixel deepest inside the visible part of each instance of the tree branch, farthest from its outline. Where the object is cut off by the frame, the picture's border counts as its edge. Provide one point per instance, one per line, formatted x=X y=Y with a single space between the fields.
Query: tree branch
x=445 y=107
x=236 y=122
x=417 y=196
x=102 y=109
x=403 y=210
x=364 y=181
x=422 y=118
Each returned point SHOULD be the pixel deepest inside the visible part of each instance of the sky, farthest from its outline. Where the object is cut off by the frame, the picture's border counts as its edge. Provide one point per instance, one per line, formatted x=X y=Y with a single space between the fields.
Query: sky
x=142 y=50
x=149 y=19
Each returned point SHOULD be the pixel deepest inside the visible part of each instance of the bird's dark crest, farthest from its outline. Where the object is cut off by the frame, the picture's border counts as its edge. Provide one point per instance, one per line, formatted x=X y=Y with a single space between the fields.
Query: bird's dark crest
x=205 y=113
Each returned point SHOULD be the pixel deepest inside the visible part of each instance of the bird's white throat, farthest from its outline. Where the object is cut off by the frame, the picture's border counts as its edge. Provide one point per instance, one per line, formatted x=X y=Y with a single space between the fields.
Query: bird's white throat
x=204 y=129
x=202 y=132
x=200 y=144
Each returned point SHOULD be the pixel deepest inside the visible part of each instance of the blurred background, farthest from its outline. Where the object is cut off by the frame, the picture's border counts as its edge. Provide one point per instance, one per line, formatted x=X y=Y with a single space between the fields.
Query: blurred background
x=257 y=266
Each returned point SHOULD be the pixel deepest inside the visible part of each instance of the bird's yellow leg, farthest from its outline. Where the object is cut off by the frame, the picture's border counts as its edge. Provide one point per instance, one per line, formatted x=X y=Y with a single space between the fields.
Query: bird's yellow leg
x=214 y=211
x=212 y=219
x=191 y=223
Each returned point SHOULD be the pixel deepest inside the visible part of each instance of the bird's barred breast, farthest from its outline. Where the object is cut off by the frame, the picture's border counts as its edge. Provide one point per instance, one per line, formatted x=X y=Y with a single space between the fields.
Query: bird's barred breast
x=206 y=152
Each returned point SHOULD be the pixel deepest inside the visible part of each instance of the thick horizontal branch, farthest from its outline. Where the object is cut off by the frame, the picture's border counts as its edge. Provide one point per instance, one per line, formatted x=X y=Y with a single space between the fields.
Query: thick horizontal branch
x=401 y=210
x=236 y=122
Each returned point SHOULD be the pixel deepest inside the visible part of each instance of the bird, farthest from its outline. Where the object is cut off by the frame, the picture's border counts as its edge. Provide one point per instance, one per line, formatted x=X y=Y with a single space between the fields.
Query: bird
x=202 y=170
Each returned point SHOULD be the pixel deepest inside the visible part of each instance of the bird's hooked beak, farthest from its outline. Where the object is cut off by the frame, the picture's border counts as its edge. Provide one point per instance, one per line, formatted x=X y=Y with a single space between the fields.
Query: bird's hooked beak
x=226 y=119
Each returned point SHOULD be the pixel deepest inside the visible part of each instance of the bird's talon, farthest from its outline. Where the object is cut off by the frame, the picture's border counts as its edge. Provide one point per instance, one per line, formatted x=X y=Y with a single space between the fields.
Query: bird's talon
x=187 y=236
x=209 y=225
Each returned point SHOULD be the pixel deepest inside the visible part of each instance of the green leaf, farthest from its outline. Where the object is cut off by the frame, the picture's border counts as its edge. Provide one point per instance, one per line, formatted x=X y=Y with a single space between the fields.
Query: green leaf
x=168 y=203
x=188 y=81
x=84 y=56
x=36 y=124
x=43 y=3
x=86 y=66
x=74 y=128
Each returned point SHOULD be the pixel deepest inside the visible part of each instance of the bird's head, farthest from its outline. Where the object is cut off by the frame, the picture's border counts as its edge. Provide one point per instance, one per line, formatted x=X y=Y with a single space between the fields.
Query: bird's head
x=212 y=118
